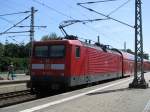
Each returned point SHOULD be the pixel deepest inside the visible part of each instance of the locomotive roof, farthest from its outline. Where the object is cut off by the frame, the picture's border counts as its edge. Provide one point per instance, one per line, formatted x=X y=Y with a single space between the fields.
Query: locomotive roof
x=64 y=41
x=101 y=48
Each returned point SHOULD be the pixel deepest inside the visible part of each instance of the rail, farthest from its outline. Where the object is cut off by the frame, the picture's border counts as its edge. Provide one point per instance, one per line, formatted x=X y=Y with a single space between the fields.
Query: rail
x=13 y=98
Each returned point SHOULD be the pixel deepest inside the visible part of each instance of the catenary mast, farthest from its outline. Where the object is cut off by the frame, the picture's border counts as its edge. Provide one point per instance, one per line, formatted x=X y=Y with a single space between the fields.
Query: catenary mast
x=139 y=80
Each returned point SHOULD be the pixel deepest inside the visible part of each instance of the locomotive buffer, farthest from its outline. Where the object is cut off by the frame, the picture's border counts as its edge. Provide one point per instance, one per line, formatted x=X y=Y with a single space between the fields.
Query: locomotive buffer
x=139 y=80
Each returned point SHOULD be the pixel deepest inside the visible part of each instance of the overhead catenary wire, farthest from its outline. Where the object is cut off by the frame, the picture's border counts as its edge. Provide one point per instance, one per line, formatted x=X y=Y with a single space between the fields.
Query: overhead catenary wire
x=53 y=9
x=10 y=14
x=75 y=8
x=82 y=14
x=70 y=22
x=21 y=26
x=19 y=35
x=16 y=24
x=47 y=6
x=88 y=27
x=105 y=15
x=15 y=13
x=92 y=28
x=61 y=13
x=113 y=11
x=14 y=32
x=122 y=5
x=100 y=1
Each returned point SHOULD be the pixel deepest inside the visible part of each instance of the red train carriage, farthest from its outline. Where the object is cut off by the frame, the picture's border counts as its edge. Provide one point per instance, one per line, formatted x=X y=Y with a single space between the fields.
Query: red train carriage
x=59 y=63
x=128 y=64
x=146 y=65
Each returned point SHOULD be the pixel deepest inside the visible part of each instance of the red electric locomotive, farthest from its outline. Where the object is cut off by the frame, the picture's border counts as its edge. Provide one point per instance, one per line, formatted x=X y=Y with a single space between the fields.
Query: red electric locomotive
x=66 y=63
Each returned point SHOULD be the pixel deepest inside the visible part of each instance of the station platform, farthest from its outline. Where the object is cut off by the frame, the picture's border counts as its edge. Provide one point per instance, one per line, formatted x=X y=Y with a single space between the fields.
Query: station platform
x=17 y=77
x=18 y=84
x=114 y=96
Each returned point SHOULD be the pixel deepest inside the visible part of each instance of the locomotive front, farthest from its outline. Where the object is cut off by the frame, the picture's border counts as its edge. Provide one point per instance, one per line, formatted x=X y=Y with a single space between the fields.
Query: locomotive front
x=48 y=64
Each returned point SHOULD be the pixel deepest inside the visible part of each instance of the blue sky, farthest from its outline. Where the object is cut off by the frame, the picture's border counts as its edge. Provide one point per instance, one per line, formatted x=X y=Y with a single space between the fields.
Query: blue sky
x=110 y=32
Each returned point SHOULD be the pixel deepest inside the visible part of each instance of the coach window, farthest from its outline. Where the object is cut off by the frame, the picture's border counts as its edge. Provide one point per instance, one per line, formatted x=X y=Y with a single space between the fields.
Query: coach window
x=77 y=52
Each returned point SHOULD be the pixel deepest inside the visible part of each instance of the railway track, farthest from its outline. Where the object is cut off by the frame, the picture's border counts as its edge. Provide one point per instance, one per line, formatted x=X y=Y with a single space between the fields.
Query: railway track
x=13 y=98
x=17 y=97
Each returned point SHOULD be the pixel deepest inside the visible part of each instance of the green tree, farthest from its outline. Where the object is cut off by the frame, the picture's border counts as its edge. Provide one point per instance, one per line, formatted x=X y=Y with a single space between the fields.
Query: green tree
x=17 y=54
x=52 y=36
x=28 y=49
x=1 y=50
x=11 y=50
x=45 y=37
x=22 y=51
